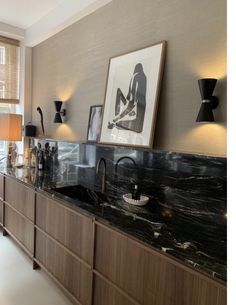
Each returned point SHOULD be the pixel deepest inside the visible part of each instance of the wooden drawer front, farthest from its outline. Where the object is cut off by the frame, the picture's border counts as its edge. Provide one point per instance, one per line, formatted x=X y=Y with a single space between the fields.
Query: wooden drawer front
x=1 y=212
x=1 y=186
x=105 y=294
x=72 y=230
x=149 y=278
x=72 y=274
x=21 y=228
x=20 y=197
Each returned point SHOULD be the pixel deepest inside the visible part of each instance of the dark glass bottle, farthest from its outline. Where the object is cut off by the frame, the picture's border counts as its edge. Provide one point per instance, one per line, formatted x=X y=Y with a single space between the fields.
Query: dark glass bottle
x=136 y=192
x=41 y=161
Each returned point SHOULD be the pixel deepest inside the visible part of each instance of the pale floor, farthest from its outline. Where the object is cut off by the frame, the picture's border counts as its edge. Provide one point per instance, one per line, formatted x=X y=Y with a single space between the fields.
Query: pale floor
x=20 y=284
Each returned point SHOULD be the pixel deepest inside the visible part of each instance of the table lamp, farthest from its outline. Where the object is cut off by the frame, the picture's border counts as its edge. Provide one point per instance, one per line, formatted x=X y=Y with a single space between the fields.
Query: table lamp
x=10 y=130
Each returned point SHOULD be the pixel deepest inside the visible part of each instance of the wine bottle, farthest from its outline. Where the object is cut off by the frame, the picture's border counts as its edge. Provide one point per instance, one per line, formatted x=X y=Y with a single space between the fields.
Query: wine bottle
x=41 y=161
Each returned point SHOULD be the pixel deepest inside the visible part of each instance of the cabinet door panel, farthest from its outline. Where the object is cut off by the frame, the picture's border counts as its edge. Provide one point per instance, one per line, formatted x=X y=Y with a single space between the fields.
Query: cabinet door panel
x=20 y=197
x=21 y=228
x=66 y=227
x=119 y=261
x=150 y=278
x=105 y=294
x=1 y=212
x=72 y=274
x=1 y=186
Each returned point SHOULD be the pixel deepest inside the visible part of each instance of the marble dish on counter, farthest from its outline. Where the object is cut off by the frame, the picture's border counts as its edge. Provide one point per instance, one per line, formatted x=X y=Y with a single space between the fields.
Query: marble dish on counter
x=141 y=202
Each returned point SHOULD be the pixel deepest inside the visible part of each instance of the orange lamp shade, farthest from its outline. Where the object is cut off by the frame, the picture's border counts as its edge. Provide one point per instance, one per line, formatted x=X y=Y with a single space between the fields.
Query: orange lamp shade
x=10 y=127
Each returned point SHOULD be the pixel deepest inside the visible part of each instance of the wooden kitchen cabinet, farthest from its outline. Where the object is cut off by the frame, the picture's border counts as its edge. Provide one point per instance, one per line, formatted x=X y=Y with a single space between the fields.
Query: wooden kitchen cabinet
x=69 y=271
x=1 y=212
x=19 y=213
x=94 y=263
x=20 y=228
x=148 y=277
x=71 y=229
x=20 y=197
x=1 y=198
x=1 y=187
x=106 y=294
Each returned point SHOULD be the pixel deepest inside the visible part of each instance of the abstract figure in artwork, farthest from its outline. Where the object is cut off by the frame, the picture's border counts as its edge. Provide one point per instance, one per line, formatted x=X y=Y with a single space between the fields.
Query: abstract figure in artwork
x=130 y=110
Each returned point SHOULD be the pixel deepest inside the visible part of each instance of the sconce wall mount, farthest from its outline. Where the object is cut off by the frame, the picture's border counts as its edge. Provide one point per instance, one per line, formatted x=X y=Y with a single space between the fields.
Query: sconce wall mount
x=209 y=101
x=59 y=112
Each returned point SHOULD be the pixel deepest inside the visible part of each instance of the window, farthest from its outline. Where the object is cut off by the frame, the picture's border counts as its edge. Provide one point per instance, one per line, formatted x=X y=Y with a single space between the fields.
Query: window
x=9 y=79
x=2 y=55
x=9 y=70
x=3 y=149
x=2 y=89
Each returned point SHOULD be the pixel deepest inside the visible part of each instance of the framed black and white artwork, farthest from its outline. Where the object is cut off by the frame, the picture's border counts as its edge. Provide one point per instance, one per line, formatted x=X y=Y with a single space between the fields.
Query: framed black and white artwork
x=132 y=93
x=94 y=124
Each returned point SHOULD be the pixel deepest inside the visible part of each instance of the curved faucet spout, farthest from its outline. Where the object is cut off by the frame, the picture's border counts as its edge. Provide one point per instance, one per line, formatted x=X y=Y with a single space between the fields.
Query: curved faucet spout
x=122 y=158
x=134 y=163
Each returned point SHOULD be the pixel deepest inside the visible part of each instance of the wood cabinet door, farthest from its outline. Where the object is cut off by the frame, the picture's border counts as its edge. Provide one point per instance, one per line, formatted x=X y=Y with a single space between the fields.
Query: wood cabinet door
x=20 y=227
x=20 y=197
x=150 y=278
x=1 y=187
x=106 y=294
x=1 y=212
x=74 y=231
x=72 y=274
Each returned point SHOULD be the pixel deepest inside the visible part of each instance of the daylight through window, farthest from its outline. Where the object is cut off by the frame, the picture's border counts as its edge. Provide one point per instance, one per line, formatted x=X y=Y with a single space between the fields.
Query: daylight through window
x=9 y=70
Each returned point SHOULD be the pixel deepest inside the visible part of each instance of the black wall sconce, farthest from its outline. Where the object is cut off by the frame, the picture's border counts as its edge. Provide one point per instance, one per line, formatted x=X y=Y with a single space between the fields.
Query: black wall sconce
x=209 y=102
x=59 y=112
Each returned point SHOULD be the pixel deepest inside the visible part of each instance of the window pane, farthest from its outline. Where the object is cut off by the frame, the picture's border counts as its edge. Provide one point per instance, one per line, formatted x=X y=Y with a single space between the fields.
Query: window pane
x=2 y=56
x=9 y=71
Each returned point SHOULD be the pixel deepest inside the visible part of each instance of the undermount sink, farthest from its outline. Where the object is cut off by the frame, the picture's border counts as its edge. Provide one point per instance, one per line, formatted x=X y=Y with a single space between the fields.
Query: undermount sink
x=82 y=193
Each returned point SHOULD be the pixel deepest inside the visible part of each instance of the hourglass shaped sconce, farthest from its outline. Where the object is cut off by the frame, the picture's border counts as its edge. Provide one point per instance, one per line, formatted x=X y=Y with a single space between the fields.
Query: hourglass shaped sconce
x=209 y=102
x=59 y=112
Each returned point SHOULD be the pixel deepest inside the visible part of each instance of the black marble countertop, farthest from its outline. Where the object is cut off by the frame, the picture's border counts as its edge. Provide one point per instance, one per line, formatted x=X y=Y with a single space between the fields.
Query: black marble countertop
x=190 y=238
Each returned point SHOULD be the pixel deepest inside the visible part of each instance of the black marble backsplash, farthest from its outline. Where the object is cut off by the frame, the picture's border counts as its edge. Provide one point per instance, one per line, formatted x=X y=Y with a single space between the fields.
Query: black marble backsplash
x=186 y=214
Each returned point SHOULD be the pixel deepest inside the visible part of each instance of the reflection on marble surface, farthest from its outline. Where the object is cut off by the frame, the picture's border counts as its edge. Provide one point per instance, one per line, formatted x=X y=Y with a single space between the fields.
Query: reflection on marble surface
x=186 y=214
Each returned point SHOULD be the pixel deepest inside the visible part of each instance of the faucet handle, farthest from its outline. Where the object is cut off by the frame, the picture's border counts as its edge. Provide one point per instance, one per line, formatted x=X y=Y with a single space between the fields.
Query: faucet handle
x=104 y=176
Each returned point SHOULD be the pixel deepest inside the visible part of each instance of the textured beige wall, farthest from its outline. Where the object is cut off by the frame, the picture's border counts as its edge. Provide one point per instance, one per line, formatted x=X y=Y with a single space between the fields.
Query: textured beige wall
x=73 y=65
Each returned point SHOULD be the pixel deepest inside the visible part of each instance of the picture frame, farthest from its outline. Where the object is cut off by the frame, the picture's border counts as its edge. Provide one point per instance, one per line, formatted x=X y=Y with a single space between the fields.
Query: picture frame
x=132 y=96
x=94 y=123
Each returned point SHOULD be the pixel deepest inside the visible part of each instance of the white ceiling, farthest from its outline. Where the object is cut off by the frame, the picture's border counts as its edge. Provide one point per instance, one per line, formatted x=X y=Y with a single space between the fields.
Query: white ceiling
x=36 y=20
x=24 y=13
